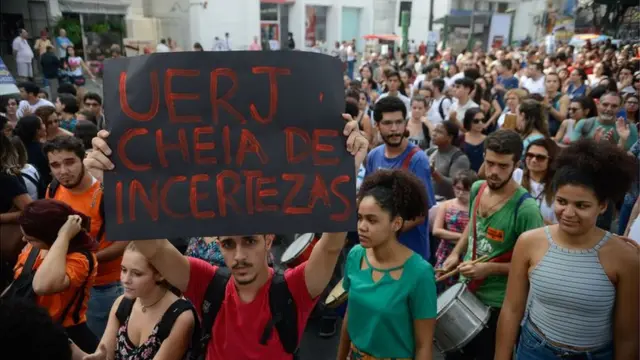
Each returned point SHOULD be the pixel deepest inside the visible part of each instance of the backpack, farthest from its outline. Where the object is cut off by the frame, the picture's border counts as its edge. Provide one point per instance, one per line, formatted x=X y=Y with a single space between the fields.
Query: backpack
x=284 y=315
x=168 y=319
x=53 y=187
x=587 y=127
x=441 y=110
x=22 y=287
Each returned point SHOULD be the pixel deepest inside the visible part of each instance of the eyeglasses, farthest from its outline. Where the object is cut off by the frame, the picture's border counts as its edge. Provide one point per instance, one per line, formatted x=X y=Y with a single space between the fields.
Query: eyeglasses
x=574 y=109
x=632 y=103
x=460 y=189
x=538 y=157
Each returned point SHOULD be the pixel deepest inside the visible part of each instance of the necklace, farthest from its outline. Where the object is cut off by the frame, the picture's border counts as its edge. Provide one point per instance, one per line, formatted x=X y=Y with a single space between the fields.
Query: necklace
x=145 y=307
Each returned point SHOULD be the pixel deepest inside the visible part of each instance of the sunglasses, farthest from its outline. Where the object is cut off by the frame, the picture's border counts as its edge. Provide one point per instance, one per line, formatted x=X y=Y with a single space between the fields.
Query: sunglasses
x=538 y=157
x=574 y=109
x=478 y=121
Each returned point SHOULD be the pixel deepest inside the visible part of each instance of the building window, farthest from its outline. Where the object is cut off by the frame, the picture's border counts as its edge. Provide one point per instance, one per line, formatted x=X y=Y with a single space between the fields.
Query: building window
x=502 y=7
x=268 y=12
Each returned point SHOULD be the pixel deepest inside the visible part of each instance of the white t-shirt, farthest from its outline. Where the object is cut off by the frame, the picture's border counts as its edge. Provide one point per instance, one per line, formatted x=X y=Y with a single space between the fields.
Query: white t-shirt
x=546 y=210
x=434 y=111
x=533 y=86
x=162 y=48
x=30 y=174
x=405 y=100
x=460 y=109
x=24 y=105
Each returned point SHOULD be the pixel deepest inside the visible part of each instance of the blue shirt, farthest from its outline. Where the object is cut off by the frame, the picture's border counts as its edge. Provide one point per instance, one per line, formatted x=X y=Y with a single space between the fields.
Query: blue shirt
x=508 y=83
x=416 y=239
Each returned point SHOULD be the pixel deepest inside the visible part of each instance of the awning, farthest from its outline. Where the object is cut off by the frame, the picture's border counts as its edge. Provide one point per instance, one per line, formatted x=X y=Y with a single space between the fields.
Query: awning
x=387 y=37
x=111 y=7
x=464 y=20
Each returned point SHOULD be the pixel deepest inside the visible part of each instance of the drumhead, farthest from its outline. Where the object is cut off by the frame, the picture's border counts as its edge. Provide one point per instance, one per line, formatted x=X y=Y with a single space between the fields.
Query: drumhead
x=448 y=296
x=298 y=246
x=336 y=294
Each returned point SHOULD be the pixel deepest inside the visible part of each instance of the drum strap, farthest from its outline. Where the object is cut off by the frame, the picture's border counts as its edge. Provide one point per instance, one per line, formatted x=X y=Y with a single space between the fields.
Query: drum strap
x=476 y=205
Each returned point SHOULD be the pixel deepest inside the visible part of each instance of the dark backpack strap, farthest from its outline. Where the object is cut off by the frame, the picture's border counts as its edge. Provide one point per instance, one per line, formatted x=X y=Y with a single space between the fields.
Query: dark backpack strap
x=78 y=297
x=171 y=315
x=32 y=180
x=522 y=198
x=441 y=109
x=27 y=268
x=53 y=187
x=284 y=315
x=213 y=298
x=124 y=309
x=102 y=217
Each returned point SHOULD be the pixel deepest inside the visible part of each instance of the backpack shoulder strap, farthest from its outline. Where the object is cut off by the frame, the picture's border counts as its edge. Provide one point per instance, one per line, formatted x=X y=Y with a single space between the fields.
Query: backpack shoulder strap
x=441 y=109
x=27 y=268
x=101 y=212
x=124 y=309
x=213 y=299
x=78 y=298
x=455 y=156
x=284 y=315
x=407 y=161
x=171 y=315
x=522 y=198
x=31 y=179
x=53 y=187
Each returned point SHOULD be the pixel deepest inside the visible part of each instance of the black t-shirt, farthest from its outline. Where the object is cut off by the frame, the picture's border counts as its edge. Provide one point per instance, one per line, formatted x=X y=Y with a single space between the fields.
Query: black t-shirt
x=11 y=186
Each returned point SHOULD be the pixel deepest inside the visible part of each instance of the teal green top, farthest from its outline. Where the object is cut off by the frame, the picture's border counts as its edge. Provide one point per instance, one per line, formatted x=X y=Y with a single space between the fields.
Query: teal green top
x=577 y=133
x=381 y=314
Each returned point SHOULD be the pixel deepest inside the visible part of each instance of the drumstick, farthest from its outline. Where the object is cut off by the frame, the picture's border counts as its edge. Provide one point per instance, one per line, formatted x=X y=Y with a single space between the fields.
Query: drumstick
x=456 y=270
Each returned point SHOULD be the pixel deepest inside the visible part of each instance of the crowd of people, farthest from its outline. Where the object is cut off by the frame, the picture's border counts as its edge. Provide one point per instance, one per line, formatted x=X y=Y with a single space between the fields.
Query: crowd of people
x=510 y=177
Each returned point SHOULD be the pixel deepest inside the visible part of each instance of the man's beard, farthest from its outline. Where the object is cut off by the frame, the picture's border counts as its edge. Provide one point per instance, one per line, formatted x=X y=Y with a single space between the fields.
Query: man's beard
x=499 y=185
x=77 y=182
x=388 y=143
x=607 y=118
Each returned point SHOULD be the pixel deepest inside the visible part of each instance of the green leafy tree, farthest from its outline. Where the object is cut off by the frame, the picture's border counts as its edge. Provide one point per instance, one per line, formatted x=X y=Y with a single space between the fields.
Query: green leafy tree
x=607 y=14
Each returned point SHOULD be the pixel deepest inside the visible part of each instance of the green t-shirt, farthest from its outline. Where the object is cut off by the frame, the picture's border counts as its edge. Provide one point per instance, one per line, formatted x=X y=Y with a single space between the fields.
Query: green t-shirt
x=381 y=314
x=497 y=235
x=577 y=132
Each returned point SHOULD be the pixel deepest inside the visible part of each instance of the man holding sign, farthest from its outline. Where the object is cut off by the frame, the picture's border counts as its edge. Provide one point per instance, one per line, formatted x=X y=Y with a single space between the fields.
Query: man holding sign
x=266 y=167
x=245 y=311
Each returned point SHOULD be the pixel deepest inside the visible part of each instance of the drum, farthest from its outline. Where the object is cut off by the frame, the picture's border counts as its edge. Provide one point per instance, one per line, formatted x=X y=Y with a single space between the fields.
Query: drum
x=300 y=250
x=461 y=316
x=336 y=297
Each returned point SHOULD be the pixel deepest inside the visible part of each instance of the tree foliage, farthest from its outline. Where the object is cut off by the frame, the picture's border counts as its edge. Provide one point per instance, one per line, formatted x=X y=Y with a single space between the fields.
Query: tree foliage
x=607 y=14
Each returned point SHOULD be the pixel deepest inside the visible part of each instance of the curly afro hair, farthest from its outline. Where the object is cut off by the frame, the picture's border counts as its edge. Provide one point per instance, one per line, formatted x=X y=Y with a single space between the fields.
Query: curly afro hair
x=29 y=333
x=603 y=167
x=397 y=191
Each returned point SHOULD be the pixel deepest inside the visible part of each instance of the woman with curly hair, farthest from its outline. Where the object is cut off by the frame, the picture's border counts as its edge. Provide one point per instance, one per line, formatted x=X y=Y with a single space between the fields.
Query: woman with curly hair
x=579 y=283
x=392 y=293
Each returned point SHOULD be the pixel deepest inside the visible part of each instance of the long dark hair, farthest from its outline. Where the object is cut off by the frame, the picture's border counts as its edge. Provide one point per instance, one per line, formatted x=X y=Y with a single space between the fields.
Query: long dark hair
x=27 y=128
x=552 y=151
x=534 y=117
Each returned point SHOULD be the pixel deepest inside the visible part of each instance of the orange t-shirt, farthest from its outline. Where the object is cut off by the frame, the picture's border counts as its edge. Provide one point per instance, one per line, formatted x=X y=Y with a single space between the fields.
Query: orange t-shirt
x=88 y=203
x=77 y=270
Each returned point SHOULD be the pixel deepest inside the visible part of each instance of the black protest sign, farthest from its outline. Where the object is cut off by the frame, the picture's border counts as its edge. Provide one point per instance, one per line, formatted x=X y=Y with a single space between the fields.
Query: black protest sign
x=226 y=143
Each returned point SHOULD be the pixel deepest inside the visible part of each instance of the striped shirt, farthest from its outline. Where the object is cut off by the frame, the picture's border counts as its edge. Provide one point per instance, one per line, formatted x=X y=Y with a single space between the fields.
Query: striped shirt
x=572 y=298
